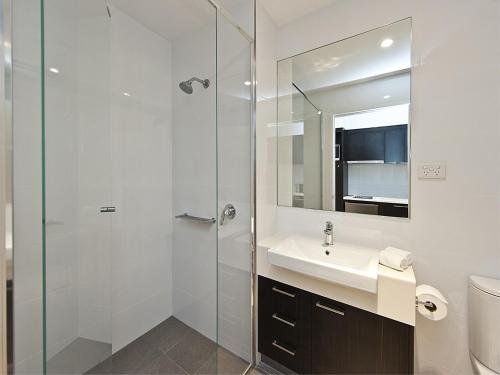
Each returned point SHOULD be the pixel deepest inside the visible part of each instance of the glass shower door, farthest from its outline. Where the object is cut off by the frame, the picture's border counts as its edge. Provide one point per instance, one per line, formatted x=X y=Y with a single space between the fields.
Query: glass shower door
x=234 y=179
x=77 y=181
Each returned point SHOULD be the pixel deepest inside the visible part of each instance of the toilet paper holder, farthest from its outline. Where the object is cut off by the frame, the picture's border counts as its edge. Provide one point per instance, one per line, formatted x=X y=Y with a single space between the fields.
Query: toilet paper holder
x=427 y=304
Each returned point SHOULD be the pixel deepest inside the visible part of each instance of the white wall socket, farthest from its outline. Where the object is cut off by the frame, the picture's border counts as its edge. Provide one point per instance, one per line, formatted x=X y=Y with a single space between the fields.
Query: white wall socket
x=432 y=171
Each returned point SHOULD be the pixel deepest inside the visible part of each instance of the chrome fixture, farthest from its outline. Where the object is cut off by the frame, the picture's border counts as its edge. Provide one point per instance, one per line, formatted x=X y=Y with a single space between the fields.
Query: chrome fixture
x=328 y=234
x=187 y=86
x=108 y=209
x=206 y=220
x=427 y=304
x=229 y=212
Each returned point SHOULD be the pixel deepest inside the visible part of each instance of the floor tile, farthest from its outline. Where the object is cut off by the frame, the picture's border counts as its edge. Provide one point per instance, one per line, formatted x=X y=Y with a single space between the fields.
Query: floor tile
x=167 y=334
x=134 y=357
x=223 y=362
x=103 y=368
x=193 y=351
x=162 y=366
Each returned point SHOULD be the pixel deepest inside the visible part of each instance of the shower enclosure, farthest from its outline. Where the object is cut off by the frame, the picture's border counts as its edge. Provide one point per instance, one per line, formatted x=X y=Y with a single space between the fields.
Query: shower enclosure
x=133 y=186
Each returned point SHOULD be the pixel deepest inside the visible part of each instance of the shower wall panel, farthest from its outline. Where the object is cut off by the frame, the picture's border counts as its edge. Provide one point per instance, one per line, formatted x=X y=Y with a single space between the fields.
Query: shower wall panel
x=141 y=128
x=195 y=181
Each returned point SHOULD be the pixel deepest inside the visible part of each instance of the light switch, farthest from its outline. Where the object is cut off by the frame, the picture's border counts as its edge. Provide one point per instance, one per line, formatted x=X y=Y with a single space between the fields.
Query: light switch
x=432 y=171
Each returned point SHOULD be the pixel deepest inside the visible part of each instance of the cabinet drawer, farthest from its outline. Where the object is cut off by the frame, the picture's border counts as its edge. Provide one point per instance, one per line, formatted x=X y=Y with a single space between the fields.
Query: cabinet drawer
x=280 y=298
x=283 y=325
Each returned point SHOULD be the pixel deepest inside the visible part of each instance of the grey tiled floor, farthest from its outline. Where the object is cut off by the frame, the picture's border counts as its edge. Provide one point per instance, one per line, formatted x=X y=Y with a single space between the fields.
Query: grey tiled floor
x=171 y=348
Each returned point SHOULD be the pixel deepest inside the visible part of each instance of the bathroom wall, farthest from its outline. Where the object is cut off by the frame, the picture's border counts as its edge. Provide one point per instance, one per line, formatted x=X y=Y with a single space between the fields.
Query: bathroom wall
x=141 y=144
x=266 y=158
x=195 y=180
x=453 y=230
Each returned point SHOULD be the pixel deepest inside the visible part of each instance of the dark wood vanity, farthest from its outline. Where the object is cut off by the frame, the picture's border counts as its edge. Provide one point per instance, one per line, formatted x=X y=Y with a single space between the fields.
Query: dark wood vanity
x=310 y=334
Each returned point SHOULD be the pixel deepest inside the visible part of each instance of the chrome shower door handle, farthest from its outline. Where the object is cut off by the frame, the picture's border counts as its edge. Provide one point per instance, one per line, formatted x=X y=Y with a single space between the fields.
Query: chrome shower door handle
x=229 y=212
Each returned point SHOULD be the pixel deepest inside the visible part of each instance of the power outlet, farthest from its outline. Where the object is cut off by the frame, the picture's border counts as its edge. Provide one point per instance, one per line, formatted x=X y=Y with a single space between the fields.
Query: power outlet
x=432 y=171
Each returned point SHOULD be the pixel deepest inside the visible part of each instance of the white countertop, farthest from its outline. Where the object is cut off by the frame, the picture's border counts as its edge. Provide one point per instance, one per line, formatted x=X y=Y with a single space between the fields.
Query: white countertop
x=377 y=199
x=395 y=297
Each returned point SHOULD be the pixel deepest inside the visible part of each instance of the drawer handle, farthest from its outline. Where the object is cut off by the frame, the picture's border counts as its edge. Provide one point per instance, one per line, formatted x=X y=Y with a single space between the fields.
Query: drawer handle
x=277 y=290
x=321 y=306
x=282 y=320
x=400 y=206
x=280 y=347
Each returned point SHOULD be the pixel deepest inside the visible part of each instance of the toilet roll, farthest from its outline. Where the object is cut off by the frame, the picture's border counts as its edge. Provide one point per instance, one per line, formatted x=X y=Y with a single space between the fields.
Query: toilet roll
x=426 y=293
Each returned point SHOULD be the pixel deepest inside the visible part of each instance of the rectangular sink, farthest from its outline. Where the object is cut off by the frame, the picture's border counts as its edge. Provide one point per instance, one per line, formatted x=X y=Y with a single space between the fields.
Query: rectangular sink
x=349 y=265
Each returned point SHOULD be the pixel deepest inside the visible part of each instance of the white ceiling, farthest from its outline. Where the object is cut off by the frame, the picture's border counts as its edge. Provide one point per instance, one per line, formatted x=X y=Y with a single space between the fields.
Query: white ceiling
x=168 y=18
x=285 y=11
x=354 y=59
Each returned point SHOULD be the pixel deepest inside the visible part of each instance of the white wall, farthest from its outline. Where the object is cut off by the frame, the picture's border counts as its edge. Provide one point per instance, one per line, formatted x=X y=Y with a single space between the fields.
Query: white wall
x=195 y=180
x=453 y=230
x=266 y=158
x=141 y=143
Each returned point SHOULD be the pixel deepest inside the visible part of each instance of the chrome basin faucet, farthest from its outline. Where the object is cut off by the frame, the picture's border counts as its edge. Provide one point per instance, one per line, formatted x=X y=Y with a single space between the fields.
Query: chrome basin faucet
x=328 y=234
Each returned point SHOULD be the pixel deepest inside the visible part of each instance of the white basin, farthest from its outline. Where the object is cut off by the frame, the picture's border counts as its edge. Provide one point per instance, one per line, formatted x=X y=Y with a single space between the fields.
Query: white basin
x=349 y=265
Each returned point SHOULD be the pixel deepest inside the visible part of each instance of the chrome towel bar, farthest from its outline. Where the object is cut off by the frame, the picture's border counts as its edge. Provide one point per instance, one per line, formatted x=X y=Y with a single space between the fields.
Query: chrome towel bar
x=207 y=220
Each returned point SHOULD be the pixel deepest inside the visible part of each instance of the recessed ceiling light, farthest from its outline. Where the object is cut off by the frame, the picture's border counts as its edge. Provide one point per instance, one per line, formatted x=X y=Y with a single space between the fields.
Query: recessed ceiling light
x=387 y=96
x=126 y=94
x=247 y=83
x=386 y=43
x=54 y=70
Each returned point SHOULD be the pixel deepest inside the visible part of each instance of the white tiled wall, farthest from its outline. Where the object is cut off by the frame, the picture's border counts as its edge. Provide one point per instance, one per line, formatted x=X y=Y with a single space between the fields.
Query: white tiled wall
x=141 y=132
x=453 y=230
x=194 y=180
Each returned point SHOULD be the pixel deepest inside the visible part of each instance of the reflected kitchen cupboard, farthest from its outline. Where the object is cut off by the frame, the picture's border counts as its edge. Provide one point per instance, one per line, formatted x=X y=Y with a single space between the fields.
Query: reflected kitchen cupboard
x=343 y=124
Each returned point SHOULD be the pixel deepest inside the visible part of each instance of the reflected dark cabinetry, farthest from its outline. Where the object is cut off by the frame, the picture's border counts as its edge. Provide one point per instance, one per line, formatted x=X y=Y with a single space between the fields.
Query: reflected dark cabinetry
x=322 y=336
x=364 y=144
x=388 y=144
x=341 y=171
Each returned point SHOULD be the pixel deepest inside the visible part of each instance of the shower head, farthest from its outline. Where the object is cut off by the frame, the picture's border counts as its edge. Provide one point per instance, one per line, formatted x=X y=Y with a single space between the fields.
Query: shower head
x=187 y=86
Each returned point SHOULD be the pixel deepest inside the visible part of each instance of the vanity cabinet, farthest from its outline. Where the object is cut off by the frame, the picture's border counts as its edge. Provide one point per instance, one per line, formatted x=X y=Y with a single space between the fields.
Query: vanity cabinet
x=284 y=332
x=329 y=337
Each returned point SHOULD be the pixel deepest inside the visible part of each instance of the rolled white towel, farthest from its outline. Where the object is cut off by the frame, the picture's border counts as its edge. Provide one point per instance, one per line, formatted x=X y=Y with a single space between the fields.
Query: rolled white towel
x=396 y=258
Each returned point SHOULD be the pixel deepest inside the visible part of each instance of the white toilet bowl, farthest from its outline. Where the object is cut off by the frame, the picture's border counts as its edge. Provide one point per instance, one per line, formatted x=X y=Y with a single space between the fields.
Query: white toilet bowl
x=484 y=329
x=479 y=368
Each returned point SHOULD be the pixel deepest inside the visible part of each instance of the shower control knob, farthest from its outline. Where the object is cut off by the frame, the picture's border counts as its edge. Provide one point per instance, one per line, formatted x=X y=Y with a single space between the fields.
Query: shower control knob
x=229 y=212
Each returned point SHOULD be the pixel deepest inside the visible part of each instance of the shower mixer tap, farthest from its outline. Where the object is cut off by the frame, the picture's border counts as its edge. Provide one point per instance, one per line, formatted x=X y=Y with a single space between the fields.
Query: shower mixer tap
x=229 y=212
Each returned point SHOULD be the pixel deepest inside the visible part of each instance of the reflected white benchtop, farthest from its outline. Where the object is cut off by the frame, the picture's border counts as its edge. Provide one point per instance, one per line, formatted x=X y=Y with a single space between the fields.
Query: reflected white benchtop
x=394 y=298
x=377 y=199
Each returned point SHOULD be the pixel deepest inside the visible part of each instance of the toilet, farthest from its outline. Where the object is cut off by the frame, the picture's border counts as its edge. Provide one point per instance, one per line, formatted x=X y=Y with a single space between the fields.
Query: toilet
x=484 y=324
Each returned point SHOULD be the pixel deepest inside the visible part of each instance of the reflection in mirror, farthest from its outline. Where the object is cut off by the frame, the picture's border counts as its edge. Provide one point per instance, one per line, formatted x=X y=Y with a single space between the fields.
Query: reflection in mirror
x=343 y=124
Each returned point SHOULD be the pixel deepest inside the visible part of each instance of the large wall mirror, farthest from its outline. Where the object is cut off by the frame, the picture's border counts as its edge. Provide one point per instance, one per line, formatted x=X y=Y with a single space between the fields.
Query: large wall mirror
x=343 y=124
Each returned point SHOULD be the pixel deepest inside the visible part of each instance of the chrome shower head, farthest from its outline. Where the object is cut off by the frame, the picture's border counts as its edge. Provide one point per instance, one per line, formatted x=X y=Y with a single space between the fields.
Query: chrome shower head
x=187 y=86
